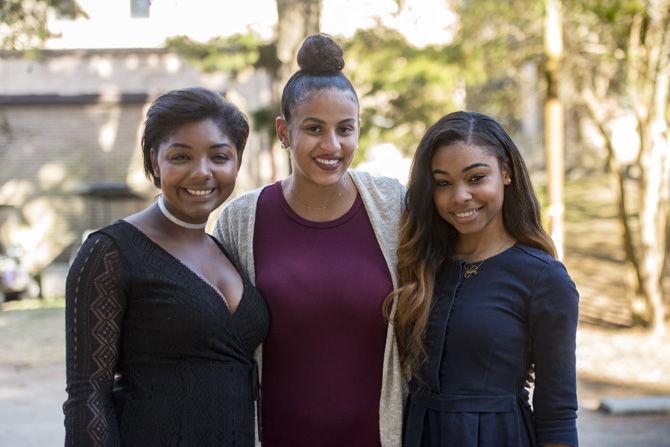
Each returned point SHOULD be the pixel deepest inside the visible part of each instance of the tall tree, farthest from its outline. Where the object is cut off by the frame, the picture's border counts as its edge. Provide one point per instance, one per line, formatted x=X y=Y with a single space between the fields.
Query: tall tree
x=296 y=19
x=623 y=67
x=553 y=124
x=23 y=23
x=617 y=55
x=402 y=88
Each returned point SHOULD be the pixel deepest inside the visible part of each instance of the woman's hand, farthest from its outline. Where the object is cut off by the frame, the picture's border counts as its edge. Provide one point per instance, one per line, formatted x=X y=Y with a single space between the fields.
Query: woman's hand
x=530 y=377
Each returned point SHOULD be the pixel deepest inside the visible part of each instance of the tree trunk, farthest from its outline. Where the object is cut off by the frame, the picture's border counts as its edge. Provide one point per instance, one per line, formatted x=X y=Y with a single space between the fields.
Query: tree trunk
x=653 y=219
x=553 y=124
x=644 y=92
x=650 y=71
x=296 y=19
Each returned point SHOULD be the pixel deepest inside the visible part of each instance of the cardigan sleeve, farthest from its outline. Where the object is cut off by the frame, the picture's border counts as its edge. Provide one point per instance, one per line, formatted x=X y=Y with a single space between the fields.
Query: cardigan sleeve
x=235 y=231
x=223 y=232
x=553 y=314
x=95 y=303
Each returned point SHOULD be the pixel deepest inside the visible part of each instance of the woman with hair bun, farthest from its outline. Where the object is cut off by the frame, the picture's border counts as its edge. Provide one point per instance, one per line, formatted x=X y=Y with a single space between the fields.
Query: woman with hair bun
x=481 y=297
x=320 y=246
x=160 y=326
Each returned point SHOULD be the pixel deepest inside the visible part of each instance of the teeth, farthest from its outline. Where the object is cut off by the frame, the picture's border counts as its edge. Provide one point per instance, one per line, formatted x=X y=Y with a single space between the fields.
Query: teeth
x=199 y=192
x=327 y=162
x=466 y=214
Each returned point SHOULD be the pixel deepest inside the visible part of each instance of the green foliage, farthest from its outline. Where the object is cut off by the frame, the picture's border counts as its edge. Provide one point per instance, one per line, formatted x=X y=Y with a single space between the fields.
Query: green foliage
x=402 y=88
x=498 y=36
x=610 y=12
x=23 y=25
x=229 y=54
x=264 y=120
x=232 y=55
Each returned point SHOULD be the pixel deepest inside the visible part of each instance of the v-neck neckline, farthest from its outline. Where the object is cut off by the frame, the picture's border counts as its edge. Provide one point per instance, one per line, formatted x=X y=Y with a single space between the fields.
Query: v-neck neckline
x=221 y=296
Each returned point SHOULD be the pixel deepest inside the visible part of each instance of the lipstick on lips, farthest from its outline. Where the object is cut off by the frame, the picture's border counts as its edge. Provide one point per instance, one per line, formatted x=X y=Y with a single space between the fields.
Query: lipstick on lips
x=199 y=192
x=327 y=163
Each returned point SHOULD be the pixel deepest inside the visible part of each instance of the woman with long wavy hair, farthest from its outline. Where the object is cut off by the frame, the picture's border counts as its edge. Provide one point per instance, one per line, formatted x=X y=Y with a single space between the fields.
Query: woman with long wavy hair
x=481 y=297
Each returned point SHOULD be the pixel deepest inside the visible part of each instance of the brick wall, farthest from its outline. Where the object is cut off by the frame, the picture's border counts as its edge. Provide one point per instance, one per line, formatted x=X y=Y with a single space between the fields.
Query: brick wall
x=74 y=117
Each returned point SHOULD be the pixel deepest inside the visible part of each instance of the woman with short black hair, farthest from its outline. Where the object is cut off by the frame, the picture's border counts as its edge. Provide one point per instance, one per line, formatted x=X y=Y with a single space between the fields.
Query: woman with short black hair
x=160 y=326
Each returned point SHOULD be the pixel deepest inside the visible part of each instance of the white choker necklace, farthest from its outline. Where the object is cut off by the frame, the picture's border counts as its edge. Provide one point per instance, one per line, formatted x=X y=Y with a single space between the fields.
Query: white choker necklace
x=172 y=218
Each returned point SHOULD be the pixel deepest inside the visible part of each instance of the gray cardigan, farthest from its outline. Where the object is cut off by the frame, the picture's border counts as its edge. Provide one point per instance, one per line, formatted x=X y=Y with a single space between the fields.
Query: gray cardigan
x=383 y=200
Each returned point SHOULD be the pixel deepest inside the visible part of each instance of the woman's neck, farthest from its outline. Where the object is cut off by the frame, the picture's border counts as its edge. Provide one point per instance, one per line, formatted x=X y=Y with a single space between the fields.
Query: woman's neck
x=154 y=223
x=477 y=247
x=319 y=202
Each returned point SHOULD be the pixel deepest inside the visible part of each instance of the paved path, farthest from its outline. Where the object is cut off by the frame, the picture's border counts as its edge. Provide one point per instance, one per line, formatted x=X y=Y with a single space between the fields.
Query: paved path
x=601 y=430
x=32 y=382
x=31 y=406
x=31 y=415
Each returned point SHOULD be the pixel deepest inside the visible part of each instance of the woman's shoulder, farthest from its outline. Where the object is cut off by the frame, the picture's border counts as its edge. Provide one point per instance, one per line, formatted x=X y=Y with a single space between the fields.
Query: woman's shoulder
x=381 y=182
x=103 y=244
x=114 y=232
x=529 y=262
x=546 y=271
x=245 y=200
x=534 y=255
x=242 y=207
x=385 y=192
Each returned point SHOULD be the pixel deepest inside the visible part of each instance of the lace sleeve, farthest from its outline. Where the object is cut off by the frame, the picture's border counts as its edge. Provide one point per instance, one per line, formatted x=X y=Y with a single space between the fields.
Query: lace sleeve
x=95 y=304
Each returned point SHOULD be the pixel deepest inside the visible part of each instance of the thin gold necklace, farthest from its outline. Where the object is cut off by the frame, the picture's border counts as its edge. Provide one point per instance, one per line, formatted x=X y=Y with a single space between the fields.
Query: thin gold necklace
x=317 y=208
x=471 y=270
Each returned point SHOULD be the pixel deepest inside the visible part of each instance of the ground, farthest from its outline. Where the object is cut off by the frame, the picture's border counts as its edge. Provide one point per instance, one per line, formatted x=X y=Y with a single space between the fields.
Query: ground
x=613 y=359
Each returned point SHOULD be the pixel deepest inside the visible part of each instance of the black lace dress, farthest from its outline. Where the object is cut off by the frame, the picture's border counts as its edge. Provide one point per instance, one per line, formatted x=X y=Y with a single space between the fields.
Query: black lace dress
x=154 y=357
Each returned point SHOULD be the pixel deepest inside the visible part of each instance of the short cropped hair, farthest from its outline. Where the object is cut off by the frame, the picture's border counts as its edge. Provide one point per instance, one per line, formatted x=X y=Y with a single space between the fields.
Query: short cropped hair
x=172 y=110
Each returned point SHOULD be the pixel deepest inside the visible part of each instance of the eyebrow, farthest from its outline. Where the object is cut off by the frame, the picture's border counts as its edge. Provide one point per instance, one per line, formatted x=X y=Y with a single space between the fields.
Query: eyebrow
x=465 y=169
x=320 y=121
x=213 y=146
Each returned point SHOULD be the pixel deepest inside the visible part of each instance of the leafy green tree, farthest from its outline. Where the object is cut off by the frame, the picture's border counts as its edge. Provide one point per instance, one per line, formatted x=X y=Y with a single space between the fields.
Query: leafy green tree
x=620 y=63
x=231 y=54
x=23 y=24
x=617 y=61
x=402 y=89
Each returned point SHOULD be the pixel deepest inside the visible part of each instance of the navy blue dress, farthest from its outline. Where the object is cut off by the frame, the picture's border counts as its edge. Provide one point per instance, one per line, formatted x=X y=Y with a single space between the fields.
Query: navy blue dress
x=483 y=333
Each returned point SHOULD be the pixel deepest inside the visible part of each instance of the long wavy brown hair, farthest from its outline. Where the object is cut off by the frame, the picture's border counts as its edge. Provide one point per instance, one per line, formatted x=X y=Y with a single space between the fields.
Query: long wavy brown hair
x=426 y=239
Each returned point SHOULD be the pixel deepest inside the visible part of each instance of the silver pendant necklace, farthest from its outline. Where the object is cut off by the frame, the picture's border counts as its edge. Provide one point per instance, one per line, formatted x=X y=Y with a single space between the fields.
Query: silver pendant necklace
x=172 y=218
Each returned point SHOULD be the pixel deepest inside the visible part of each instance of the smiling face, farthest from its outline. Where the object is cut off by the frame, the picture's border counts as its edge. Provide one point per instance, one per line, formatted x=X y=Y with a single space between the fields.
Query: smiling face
x=322 y=135
x=197 y=167
x=469 y=189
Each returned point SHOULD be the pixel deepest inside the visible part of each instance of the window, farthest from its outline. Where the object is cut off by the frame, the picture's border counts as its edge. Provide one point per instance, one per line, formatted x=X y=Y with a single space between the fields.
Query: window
x=139 y=8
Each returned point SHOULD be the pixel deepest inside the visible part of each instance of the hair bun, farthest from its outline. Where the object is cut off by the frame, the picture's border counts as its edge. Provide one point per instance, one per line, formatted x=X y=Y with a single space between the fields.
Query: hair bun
x=319 y=53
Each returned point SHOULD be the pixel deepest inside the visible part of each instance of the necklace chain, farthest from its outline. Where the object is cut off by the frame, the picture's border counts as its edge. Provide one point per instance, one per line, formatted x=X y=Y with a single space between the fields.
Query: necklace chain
x=317 y=208
x=473 y=269
x=303 y=204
